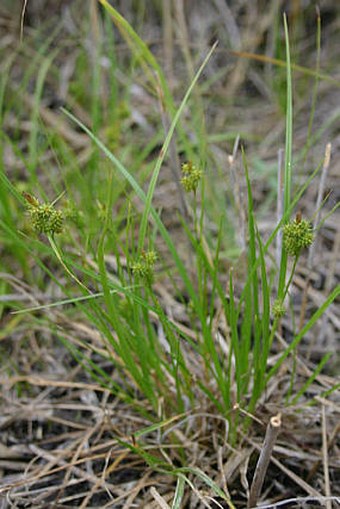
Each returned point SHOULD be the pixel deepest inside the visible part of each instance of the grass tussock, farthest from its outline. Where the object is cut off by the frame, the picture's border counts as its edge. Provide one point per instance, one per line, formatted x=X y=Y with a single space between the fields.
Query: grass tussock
x=169 y=272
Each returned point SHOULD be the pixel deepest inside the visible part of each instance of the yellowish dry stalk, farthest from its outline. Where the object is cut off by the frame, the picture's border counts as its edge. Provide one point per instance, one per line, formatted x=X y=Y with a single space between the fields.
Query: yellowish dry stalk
x=322 y=184
x=272 y=432
x=325 y=458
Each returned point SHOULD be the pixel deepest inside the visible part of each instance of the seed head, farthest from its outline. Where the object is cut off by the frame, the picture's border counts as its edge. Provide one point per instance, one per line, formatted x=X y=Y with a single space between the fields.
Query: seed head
x=143 y=268
x=44 y=217
x=149 y=257
x=278 y=309
x=191 y=177
x=297 y=235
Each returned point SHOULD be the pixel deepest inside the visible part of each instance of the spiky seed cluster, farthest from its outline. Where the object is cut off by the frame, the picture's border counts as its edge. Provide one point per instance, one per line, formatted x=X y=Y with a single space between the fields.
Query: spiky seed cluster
x=278 y=309
x=297 y=235
x=149 y=257
x=191 y=177
x=44 y=217
x=144 y=266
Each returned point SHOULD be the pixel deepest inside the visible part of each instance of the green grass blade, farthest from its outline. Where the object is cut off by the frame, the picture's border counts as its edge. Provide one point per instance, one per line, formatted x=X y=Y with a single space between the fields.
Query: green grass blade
x=318 y=313
x=179 y=493
x=139 y=49
x=235 y=343
x=252 y=310
x=164 y=150
x=197 y=472
x=265 y=332
x=142 y=196
x=278 y=226
x=288 y=160
x=313 y=376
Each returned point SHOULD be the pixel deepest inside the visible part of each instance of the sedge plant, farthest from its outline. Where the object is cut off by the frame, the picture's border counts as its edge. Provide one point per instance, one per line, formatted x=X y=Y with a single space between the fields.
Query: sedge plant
x=149 y=352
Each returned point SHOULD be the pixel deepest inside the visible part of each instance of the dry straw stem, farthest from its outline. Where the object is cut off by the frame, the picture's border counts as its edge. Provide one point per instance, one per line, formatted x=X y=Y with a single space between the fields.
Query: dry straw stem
x=325 y=458
x=159 y=499
x=22 y=19
x=318 y=205
x=238 y=194
x=272 y=432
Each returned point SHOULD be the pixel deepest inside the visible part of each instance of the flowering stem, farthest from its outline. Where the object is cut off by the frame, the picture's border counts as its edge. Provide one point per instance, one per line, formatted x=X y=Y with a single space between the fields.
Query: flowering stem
x=290 y=277
x=58 y=254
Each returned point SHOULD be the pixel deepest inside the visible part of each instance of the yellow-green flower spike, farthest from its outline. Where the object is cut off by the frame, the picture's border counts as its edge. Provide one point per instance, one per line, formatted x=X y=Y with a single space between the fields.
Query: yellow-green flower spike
x=297 y=235
x=44 y=217
x=150 y=258
x=191 y=177
x=278 y=309
x=139 y=269
x=144 y=266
